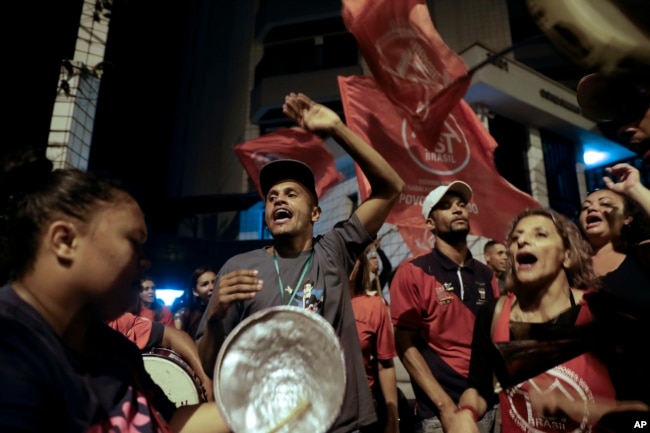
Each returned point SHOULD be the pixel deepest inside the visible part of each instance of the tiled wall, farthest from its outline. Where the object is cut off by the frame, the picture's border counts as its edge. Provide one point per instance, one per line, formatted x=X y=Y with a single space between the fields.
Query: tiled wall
x=73 y=116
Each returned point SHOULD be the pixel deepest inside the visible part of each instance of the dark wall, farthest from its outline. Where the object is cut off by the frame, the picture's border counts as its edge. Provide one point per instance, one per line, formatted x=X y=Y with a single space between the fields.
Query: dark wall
x=560 y=157
x=173 y=259
x=138 y=92
x=510 y=156
x=42 y=34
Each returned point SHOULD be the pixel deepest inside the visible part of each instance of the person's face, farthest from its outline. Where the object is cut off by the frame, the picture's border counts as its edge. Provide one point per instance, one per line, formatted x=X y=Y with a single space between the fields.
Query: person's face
x=450 y=215
x=497 y=257
x=205 y=285
x=289 y=210
x=537 y=252
x=148 y=293
x=603 y=215
x=637 y=133
x=111 y=258
x=373 y=262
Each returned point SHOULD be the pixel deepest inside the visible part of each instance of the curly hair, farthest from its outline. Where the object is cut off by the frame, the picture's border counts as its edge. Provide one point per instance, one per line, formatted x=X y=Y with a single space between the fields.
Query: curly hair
x=580 y=272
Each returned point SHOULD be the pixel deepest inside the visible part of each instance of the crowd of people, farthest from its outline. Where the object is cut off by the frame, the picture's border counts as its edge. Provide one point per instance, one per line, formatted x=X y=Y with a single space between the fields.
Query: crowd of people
x=78 y=312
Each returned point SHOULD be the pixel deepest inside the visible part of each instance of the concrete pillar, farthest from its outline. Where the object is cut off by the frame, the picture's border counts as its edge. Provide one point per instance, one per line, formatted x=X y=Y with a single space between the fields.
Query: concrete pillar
x=536 y=167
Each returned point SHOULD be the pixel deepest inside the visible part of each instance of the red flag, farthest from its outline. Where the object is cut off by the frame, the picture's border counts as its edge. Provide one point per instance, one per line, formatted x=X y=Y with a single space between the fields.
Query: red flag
x=464 y=151
x=408 y=58
x=290 y=143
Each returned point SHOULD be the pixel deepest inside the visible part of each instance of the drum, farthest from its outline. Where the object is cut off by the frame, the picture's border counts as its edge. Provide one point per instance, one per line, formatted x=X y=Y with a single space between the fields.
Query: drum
x=177 y=380
x=280 y=370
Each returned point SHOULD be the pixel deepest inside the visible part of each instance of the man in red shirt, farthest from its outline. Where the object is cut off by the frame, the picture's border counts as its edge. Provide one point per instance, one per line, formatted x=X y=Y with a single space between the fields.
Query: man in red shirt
x=434 y=299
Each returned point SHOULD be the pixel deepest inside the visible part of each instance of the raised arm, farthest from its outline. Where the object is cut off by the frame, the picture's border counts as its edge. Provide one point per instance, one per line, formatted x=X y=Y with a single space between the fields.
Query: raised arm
x=629 y=184
x=385 y=183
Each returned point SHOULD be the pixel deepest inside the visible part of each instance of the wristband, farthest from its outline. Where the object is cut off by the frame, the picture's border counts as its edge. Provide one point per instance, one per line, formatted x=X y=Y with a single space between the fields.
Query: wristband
x=469 y=408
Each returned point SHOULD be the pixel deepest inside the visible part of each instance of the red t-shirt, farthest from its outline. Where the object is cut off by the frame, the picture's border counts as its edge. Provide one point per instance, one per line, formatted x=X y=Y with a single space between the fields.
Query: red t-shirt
x=434 y=296
x=375 y=333
x=135 y=328
x=166 y=319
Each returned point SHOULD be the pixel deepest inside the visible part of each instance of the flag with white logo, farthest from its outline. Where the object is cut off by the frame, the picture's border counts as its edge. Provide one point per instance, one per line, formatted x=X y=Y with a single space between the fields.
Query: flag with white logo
x=290 y=143
x=463 y=151
x=418 y=73
x=412 y=112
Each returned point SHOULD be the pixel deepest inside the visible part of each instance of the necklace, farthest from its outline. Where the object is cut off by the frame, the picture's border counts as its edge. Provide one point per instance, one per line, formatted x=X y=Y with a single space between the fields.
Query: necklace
x=293 y=291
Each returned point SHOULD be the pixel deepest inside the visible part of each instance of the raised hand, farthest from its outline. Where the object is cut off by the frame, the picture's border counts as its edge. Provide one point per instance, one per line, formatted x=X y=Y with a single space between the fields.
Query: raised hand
x=628 y=177
x=309 y=115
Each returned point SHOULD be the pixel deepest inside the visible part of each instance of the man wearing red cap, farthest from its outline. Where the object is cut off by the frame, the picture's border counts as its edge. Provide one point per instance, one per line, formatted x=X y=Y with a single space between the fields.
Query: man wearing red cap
x=301 y=270
x=434 y=300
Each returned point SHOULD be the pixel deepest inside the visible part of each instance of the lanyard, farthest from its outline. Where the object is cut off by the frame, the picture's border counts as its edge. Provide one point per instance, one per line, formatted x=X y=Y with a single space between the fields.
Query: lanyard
x=305 y=267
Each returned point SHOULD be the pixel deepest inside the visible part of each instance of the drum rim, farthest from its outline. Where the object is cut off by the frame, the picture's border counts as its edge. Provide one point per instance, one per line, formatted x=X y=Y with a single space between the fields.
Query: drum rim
x=180 y=365
x=324 y=325
x=163 y=352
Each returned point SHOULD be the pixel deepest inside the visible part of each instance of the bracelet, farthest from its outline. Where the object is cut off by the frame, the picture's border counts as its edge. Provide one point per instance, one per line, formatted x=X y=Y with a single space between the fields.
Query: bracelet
x=469 y=408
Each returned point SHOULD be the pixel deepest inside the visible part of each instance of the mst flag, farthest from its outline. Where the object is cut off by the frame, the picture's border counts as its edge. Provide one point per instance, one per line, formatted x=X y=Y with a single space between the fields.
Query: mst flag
x=422 y=77
x=463 y=151
x=290 y=143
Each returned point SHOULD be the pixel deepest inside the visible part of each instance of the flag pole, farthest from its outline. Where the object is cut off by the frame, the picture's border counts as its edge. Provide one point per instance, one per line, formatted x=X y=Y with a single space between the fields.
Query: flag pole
x=503 y=52
x=489 y=60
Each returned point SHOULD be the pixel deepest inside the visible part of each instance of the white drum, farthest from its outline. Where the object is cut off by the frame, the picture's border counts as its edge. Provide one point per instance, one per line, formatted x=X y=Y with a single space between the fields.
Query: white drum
x=177 y=380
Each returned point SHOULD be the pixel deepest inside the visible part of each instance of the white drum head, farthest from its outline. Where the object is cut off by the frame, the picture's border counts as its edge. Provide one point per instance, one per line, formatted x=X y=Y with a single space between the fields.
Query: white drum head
x=280 y=370
x=173 y=379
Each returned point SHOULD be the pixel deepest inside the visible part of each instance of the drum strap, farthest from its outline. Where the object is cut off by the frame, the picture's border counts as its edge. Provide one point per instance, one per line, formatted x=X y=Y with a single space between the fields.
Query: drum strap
x=156 y=418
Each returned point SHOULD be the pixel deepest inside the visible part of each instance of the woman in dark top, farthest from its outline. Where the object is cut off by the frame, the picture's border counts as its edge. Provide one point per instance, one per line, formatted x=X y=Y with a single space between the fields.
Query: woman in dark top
x=189 y=310
x=614 y=222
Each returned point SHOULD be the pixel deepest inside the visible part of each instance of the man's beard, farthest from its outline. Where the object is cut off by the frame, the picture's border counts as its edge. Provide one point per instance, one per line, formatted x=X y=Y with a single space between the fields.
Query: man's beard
x=454 y=237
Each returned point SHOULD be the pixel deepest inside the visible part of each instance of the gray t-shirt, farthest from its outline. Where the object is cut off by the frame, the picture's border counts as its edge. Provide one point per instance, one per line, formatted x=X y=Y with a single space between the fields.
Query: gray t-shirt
x=324 y=289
